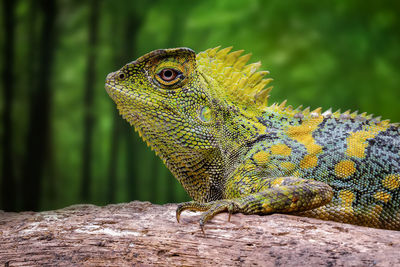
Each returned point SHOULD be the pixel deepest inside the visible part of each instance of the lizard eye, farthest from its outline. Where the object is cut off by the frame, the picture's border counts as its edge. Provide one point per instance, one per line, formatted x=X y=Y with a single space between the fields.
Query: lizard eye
x=122 y=75
x=168 y=74
x=168 y=77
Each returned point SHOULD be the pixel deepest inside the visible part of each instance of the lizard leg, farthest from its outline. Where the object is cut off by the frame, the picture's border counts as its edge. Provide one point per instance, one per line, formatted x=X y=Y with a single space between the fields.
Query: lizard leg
x=289 y=194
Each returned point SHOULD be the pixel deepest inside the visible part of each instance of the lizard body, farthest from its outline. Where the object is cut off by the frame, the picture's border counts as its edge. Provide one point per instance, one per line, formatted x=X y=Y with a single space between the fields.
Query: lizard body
x=207 y=117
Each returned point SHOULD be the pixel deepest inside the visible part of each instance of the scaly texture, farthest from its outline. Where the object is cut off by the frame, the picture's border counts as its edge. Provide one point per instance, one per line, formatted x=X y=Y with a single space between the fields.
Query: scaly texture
x=208 y=119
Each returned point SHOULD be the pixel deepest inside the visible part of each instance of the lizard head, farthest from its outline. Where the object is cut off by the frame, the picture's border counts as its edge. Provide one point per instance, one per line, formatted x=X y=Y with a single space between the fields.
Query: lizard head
x=173 y=96
x=163 y=96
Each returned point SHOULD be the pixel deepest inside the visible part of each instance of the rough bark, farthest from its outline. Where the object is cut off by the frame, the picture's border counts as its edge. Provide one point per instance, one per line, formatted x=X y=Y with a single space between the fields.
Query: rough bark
x=140 y=233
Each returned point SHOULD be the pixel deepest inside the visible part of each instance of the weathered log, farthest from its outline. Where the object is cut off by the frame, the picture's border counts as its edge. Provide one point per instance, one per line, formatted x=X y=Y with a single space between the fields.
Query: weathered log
x=140 y=233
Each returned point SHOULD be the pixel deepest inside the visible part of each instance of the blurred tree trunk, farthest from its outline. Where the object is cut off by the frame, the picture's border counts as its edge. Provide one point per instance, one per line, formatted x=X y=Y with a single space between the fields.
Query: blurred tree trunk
x=116 y=125
x=88 y=101
x=132 y=156
x=112 y=168
x=131 y=27
x=31 y=70
x=39 y=116
x=8 y=177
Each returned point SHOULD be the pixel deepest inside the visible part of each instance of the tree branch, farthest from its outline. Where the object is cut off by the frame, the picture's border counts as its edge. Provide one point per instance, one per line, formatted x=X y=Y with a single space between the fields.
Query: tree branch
x=143 y=233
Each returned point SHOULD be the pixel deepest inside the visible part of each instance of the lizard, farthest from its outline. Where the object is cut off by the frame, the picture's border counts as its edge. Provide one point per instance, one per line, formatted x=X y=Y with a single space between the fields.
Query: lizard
x=207 y=117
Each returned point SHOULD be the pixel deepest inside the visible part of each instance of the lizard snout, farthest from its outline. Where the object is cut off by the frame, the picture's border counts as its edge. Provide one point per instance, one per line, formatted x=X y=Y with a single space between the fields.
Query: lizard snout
x=110 y=76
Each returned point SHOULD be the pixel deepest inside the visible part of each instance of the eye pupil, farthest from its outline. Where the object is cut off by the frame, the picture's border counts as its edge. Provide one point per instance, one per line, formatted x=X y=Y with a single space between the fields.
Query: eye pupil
x=168 y=74
x=122 y=76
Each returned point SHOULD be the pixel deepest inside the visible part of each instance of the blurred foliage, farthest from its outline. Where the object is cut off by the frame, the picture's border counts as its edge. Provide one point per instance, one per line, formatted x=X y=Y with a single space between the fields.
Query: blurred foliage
x=339 y=54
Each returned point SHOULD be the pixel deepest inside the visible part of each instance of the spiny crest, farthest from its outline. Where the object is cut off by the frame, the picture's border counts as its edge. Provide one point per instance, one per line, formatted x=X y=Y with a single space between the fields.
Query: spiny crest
x=239 y=82
x=301 y=112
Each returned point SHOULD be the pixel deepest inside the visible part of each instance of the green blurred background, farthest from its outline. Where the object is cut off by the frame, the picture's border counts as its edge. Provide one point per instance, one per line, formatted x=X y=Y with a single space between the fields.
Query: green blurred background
x=62 y=141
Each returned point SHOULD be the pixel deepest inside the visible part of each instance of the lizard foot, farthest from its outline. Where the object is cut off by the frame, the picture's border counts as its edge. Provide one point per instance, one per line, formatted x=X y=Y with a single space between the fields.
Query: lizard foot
x=211 y=209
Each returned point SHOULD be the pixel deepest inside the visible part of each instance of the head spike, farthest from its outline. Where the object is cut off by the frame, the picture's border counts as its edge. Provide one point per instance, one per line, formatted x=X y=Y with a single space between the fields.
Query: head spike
x=242 y=85
x=227 y=73
x=235 y=77
x=259 y=87
x=317 y=110
x=306 y=111
x=378 y=118
x=327 y=113
x=316 y=113
x=232 y=57
x=251 y=68
x=239 y=82
x=299 y=108
x=283 y=104
x=220 y=68
x=337 y=113
x=242 y=61
x=213 y=51
x=354 y=114
x=257 y=77
x=261 y=96
x=369 y=117
x=221 y=55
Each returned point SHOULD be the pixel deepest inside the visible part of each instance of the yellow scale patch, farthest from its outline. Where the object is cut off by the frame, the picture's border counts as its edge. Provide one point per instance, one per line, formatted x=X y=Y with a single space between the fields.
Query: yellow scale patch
x=261 y=158
x=288 y=166
x=345 y=169
x=309 y=161
x=380 y=195
x=391 y=181
x=281 y=149
x=347 y=198
x=303 y=134
x=357 y=141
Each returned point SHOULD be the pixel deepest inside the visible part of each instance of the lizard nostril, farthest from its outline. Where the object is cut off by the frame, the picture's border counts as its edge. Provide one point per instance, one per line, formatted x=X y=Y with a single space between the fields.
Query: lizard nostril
x=110 y=76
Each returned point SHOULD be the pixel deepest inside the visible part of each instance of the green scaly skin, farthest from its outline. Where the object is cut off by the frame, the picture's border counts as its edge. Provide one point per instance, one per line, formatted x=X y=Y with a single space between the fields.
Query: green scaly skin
x=207 y=117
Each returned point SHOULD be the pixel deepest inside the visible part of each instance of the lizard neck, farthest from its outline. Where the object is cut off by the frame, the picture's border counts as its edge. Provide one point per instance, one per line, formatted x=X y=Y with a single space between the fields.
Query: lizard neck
x=239 y=128
x=200 y=171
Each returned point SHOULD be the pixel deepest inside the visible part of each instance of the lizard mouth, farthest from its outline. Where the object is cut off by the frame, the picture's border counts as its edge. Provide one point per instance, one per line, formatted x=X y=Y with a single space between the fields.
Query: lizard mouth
x=122 y=96
x=128 y=99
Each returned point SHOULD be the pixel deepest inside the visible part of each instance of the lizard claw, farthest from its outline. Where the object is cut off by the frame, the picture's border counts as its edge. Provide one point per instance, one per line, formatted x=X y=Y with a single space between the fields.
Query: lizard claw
x=202 y=226
x=211 y=209
x=191 y=205
x=178 y=216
